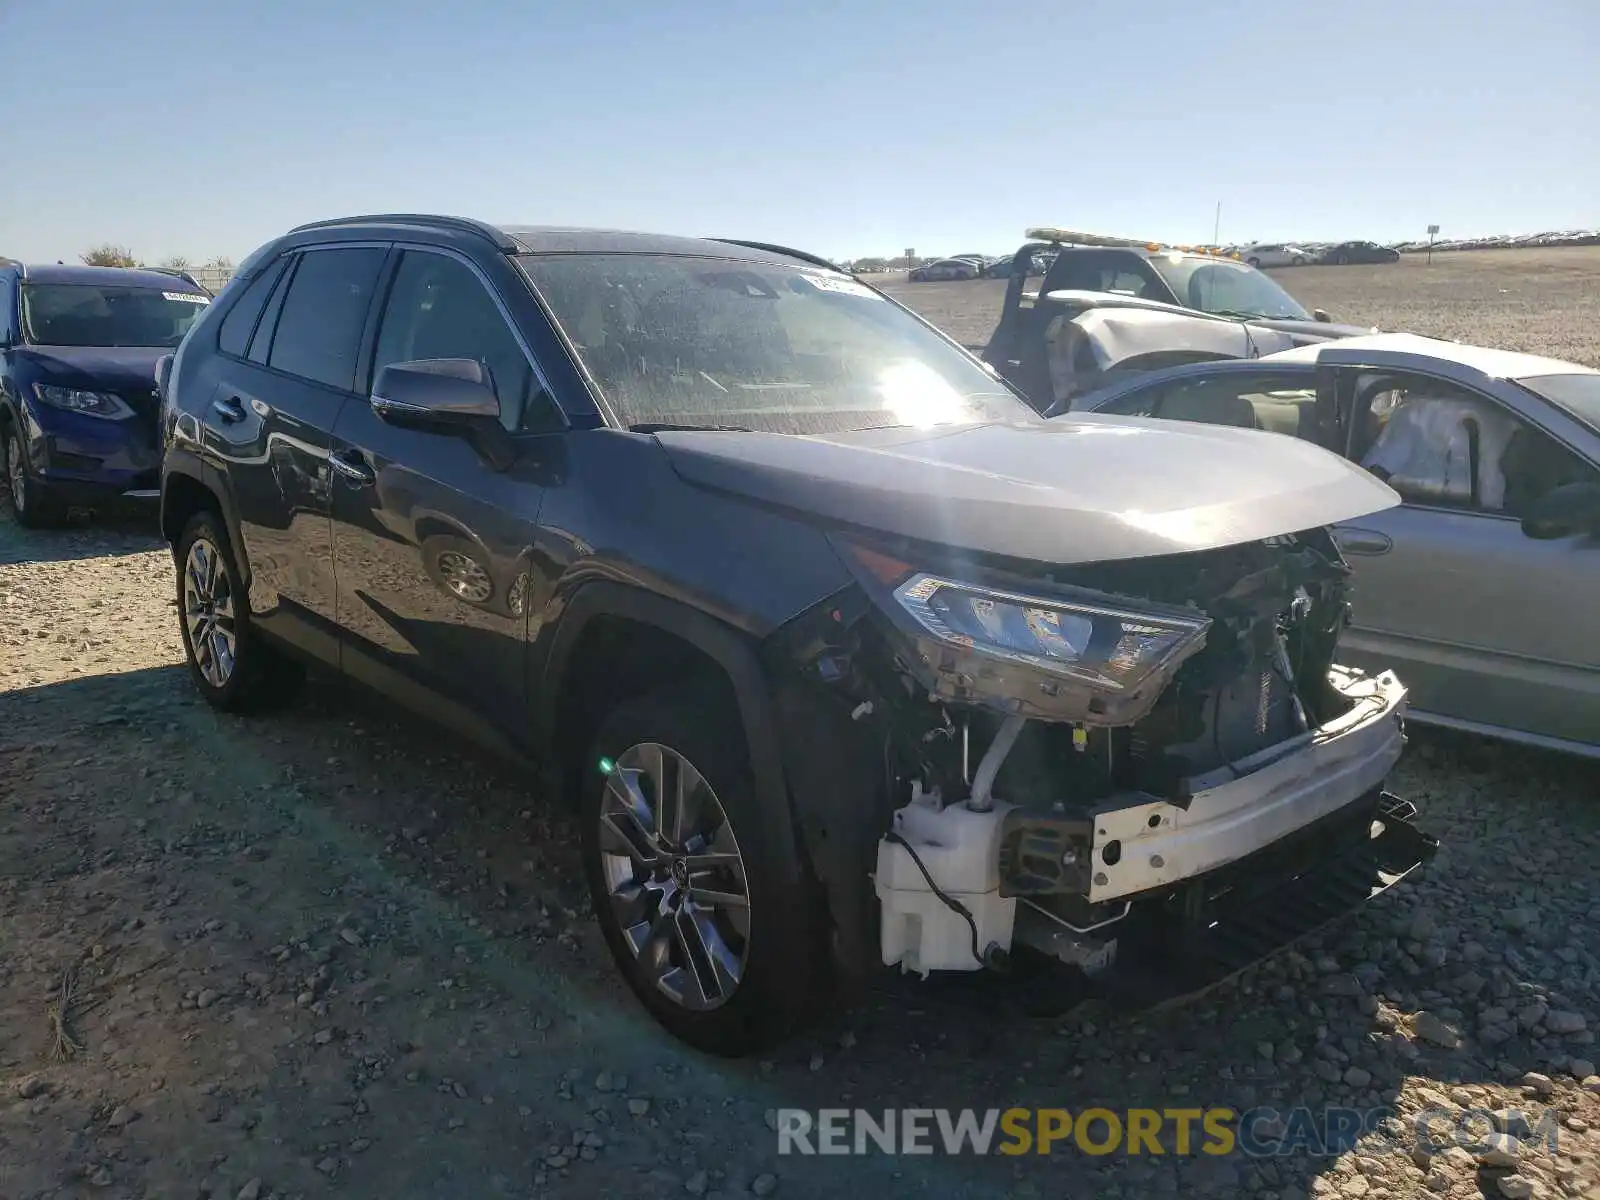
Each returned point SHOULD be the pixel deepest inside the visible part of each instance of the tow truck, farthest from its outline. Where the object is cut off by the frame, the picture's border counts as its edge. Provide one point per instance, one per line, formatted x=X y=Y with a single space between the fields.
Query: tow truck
x=1115 y=304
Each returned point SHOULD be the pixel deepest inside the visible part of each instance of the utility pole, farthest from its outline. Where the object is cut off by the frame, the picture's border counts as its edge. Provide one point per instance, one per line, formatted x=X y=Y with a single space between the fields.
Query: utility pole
x=1216 y=229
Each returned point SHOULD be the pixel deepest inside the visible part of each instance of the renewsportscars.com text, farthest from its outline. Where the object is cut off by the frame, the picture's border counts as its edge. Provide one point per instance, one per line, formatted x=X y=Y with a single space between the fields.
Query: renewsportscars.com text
x=1254 y=1132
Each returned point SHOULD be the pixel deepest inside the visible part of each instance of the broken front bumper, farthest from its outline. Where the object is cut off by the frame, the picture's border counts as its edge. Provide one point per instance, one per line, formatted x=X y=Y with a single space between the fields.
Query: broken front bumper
x=1210 y=929
x=1253 y=804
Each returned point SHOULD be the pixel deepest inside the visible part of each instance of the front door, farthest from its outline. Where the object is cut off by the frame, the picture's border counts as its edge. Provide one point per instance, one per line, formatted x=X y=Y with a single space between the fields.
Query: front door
x=432 y=541
x=1485 y=625
x=283 y=379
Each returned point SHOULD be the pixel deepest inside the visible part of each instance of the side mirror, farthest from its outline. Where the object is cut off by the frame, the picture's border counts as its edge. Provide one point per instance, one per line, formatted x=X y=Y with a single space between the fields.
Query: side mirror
x=437 y=394
x=163 y=375
x=445 y=395
x=1321 y=314
x=1571 y=509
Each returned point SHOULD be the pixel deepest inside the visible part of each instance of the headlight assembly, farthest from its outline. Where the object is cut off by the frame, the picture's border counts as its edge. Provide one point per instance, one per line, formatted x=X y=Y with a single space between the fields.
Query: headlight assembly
x=1073 y=655
x=1110 y=649
x=90 y=404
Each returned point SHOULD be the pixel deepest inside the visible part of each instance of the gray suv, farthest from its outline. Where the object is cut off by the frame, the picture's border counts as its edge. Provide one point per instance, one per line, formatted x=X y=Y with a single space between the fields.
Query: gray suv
x=849 y=660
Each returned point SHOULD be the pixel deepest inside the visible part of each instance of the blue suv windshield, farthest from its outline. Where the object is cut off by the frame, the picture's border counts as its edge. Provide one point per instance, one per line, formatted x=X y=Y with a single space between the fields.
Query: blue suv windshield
x=755 y=345
x=85 y=314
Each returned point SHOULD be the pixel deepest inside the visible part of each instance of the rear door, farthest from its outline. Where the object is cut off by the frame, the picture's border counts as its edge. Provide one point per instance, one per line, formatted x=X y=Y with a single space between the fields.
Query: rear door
x=432 y=541
x=1486 y=626
x=282 y=383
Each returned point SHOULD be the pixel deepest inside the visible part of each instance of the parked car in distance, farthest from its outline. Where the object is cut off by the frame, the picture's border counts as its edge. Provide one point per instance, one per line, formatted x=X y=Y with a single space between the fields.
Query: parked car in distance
x=666 y=515
x=78 y=405
x=1346 y=253
x=1480 y=589
x=944 y=269
x=1274 y=254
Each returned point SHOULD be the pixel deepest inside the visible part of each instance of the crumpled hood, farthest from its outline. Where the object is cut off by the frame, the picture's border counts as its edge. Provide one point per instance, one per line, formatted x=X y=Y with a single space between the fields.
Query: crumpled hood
x=1076 y=489
x=119 y=369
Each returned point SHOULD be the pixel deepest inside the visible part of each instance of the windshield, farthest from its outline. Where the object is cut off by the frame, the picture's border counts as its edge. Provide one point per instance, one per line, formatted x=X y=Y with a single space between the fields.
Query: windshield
x=92 y=314
x=1218 y=285
x=1578 y=394
x=674 y=340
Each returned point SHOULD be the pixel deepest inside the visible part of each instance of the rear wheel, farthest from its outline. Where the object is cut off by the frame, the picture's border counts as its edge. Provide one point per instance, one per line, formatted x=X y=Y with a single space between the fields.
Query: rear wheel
x=714 y=931
x=235 y=669
x=32 y=505
x=1254 y=262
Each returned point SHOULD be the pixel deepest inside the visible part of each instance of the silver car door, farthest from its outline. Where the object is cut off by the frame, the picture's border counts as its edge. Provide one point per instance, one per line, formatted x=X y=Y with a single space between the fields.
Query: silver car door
x=1488 y=627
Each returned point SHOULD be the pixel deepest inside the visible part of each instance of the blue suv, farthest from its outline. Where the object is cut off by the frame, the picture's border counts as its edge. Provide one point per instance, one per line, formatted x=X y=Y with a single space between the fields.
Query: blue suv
x=78 y=402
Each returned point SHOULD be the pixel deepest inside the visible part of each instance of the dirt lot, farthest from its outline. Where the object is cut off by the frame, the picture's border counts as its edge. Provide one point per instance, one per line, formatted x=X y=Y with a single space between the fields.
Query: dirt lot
x=332 y=953
x=1542 y=301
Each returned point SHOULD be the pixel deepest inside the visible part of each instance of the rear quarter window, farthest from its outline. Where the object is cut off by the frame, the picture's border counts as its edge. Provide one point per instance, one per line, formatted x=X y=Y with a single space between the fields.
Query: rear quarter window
x=233 y=337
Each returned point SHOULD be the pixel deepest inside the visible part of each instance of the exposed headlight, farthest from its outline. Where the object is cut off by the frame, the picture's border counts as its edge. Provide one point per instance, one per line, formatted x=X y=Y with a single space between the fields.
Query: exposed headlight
x=1111 y=649
x=90 y=404
x=1071 y=655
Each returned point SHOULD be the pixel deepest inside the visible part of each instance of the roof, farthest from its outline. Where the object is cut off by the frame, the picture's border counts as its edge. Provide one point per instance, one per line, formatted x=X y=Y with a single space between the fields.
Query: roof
x=117 y=276
x=1496 y=364
x=561 y=239
x=557 y=239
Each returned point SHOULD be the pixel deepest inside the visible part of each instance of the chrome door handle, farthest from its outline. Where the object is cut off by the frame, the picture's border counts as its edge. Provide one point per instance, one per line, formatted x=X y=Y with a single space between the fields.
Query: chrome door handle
x=1366 y=542
x=230 y=410
x=350 y=464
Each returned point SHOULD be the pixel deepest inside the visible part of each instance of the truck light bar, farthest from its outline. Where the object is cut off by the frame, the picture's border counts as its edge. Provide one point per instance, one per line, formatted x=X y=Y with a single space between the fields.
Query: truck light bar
x=1078 y=237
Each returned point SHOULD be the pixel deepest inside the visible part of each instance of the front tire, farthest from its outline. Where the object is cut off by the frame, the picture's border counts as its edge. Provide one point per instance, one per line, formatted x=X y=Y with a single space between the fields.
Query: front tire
x=715 y=932
x=235 y=669
x=32 y=505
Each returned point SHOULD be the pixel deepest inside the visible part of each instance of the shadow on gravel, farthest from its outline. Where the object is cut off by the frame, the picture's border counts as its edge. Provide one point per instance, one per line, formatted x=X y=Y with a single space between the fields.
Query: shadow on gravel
x=486 y=882
x=109 y=536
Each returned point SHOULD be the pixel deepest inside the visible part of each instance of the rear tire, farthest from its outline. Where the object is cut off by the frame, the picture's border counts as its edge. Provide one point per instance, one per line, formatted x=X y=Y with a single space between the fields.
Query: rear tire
x=32 y=505
x=667 y=935
x=234 y=667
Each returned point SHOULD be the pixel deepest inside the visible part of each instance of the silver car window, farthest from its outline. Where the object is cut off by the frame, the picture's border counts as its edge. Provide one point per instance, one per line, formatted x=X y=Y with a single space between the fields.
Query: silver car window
x=1441 y=445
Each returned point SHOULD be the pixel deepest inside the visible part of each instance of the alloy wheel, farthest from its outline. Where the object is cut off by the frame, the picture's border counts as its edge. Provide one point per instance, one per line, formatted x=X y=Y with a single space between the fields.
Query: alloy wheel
x=465 y=577
x=16 y=473
x=208 y=613
x=674 y=876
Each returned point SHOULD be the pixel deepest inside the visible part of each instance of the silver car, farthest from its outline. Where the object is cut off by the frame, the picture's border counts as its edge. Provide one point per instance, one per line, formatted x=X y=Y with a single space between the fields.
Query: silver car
x=1482 y=590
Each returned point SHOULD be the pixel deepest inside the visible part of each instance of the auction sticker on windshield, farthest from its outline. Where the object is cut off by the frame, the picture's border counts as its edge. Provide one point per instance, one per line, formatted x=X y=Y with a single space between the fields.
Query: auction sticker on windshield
x=189 y=296
x=833 y=283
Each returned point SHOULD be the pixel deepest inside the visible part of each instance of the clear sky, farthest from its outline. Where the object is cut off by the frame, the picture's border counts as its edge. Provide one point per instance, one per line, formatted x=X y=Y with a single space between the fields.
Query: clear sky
x=205 y=127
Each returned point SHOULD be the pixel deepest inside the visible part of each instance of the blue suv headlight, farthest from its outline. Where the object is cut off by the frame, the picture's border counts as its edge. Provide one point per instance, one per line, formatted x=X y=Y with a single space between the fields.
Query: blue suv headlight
x=90 y=404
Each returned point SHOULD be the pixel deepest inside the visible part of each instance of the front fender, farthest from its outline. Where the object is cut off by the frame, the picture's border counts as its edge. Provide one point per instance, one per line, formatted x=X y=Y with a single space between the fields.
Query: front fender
x=732 y=651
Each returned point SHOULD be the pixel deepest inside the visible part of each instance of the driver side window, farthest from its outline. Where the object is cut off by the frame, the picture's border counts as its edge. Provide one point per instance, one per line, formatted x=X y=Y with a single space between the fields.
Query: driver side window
x=1441 y=445
x=439 y=308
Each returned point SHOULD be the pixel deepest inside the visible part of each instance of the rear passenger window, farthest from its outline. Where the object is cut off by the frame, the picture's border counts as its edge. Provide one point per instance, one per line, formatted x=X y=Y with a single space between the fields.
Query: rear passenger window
x=261 y=341
x=234 y=335
x=319 y=330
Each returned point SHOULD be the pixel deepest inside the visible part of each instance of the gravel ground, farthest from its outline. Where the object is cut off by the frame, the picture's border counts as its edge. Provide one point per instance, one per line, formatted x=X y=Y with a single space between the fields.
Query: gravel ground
x=335 y=953
x=1544 y=301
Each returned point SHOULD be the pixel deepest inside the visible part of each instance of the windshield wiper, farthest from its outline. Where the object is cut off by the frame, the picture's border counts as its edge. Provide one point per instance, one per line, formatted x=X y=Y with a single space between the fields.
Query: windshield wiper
x=671 y=427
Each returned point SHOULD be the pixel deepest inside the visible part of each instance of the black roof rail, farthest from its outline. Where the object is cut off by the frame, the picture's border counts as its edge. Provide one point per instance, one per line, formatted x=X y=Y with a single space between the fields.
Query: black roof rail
x=503 y=242
x=815 y=260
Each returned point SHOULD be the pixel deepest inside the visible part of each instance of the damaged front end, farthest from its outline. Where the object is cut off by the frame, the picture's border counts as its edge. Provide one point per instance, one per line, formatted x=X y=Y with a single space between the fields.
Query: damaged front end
x=1152 y=771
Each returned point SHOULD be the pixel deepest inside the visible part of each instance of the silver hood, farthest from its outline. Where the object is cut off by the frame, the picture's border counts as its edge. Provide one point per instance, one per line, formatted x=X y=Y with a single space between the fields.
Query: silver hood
x=1076 y=489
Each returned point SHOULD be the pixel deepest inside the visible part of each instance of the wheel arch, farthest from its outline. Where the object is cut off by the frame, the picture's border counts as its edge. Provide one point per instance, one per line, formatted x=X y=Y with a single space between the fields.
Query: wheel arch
x=603 y=623
x=183 y=494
